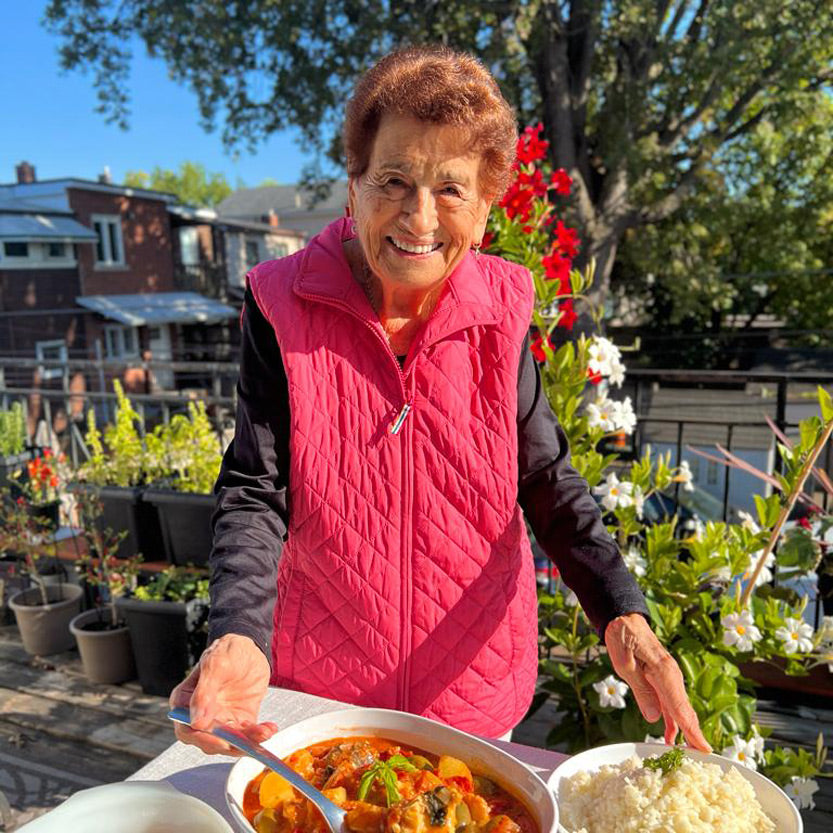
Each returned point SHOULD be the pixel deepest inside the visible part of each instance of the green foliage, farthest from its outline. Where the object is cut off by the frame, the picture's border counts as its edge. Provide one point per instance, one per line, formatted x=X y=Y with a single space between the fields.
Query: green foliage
x=191 y=183
x=174 y=584
x=183 y=454
x=708 y=600
x=12 y=431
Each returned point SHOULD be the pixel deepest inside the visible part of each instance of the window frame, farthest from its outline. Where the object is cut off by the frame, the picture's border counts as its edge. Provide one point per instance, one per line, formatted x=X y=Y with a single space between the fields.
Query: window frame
x=111 y=231
x=47 y=373
x=117 y=331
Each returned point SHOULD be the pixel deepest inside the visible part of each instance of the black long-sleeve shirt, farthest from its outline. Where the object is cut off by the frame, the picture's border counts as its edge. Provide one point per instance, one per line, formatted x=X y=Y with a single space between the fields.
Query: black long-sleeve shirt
x=252 y=516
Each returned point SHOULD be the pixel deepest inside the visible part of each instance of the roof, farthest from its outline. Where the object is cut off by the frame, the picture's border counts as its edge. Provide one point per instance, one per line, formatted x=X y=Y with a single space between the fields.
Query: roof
x=207 y=216
x=48 y=186
x=44 y=227
x=284 y=200
x=158 y=308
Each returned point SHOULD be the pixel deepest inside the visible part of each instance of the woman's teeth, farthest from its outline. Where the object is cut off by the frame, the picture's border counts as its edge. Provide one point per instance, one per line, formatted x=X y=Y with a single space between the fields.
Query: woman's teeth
x=414 y=250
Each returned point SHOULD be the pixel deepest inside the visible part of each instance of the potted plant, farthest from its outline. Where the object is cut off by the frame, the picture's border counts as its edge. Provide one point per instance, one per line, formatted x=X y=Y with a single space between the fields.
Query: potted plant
x=42 y=612
x=167 y=619
x=116 y=472
x=188 y=455
x=40 y=484
x=12 y=442
x=101 y=633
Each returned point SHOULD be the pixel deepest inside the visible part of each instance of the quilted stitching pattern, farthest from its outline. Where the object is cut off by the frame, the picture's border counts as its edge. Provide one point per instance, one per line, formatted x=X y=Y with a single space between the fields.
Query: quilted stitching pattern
x=467 y=653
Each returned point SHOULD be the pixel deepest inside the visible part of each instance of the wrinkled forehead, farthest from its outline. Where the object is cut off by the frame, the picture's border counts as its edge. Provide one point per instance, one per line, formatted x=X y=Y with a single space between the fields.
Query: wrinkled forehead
x=411 y=146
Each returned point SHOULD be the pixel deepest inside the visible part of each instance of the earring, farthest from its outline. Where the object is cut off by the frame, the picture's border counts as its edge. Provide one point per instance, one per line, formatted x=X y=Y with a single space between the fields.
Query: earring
x=476 y=248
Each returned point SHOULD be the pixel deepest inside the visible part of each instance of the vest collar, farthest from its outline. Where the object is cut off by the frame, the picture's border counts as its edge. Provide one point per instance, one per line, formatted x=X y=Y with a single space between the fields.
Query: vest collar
x=325 y=276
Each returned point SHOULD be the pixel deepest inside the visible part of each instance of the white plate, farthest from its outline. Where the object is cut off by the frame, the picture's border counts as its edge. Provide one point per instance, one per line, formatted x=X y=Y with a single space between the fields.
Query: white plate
x=774 y=801
x=409 y=730
x=130 y=807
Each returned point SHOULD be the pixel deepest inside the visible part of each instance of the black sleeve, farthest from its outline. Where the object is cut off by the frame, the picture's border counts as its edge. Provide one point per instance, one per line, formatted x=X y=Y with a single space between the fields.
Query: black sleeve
x=251 y=518
x=563 y=514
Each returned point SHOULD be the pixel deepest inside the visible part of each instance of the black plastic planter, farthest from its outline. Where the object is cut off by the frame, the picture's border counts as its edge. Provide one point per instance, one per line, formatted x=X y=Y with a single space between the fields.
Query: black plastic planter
x=122 y=509
x=166 y=637
x=185 y=520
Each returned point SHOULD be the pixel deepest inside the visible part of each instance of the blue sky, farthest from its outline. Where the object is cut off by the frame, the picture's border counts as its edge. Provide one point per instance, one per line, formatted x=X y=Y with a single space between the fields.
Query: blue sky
x=49 y=119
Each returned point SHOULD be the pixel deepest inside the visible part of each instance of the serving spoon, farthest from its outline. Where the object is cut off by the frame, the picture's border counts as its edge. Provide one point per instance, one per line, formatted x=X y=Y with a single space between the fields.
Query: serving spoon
x=333 y=814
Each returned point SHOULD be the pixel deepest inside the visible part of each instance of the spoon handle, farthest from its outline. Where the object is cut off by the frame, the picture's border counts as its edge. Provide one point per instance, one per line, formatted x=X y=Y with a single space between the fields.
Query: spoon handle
x=332 y=812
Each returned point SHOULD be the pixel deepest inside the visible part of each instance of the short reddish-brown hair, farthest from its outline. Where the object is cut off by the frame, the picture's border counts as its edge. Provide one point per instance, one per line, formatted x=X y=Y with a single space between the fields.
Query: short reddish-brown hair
x=437 y=85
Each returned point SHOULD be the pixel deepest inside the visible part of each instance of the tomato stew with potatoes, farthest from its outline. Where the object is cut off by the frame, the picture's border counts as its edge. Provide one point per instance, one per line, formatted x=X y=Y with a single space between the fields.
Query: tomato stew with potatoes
x=385 y=788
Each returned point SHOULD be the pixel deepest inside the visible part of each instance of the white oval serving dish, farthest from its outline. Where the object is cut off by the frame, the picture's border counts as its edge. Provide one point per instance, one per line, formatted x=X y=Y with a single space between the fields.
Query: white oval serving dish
x=774 y=801
x=130 y=807
x=409 y=730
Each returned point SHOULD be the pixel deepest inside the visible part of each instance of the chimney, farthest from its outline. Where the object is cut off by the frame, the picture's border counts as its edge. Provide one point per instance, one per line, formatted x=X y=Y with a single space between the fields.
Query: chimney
x=25 y=173
x=104 y=177
x=271 y=218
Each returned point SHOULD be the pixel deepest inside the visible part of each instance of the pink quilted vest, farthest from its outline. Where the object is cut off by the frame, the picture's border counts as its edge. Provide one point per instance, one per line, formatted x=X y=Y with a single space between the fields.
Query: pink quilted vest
x=406 y=581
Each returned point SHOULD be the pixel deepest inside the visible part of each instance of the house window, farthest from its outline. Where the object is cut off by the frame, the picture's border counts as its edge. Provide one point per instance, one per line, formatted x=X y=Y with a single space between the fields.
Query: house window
x=189 y=246
x=56 y=249
x=711 y=473
x=280 y=249
x=51 y=351
x=109 y=249
x=252 y=254
x=694 y=465
x=120 y=342
x=16 y=249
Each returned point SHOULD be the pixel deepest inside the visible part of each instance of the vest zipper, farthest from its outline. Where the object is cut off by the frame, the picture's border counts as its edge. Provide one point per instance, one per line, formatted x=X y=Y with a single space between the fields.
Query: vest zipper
x=395 y=428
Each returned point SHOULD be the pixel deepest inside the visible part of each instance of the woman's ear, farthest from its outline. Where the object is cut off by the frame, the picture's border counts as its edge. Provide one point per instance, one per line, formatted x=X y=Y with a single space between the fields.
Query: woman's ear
x=481 y=221
x=352 y=184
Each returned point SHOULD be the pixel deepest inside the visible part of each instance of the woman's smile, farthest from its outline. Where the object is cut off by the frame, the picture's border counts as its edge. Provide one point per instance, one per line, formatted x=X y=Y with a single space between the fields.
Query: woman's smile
x=409 y=249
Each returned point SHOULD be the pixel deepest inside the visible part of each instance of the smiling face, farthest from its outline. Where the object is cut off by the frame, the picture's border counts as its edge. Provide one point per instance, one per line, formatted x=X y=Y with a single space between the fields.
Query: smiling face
x=418 y=206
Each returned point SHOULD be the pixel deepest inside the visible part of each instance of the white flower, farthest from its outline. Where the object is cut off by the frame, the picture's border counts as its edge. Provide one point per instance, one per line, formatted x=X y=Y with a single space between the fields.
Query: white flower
x=603 y=355
x=635 y=561
x=570 y=599
x=638 y=501
x=765 y=576
x=740 y=631
x=611 y=692
x=623 y=416
x=826 y=628
x=601 y=414
x=652 y=739
x=801 y=791
x=685 y=476
x=748 y=522
x=742 y=751
x=614 y=493
x=797 y=636
x=758 y=741
x=617 y=374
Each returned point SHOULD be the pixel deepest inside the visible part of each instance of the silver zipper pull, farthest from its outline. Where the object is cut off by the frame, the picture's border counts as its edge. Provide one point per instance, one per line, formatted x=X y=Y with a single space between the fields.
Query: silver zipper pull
x=396 y=425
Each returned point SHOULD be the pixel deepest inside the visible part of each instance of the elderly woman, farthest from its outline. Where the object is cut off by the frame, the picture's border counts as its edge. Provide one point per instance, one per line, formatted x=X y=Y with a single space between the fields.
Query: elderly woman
x=369 y=538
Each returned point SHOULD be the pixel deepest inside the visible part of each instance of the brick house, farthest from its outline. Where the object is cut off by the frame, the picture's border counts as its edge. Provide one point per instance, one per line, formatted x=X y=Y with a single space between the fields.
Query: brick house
x=89 y=270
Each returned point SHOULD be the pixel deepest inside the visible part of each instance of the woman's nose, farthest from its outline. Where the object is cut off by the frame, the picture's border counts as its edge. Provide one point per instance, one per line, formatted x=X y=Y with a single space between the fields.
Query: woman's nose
x=421 y=211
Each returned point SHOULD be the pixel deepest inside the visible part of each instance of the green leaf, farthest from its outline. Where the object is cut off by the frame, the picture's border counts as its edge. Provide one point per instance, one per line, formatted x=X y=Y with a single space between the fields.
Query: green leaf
x=826 y=403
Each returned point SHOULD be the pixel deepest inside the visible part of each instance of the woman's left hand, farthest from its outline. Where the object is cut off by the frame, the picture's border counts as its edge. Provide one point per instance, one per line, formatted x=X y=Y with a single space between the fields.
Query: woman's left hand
x=642 y=662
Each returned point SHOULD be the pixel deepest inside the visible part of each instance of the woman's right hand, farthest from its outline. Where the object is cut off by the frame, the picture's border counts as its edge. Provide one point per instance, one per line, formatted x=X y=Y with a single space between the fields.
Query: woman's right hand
x=227 y=686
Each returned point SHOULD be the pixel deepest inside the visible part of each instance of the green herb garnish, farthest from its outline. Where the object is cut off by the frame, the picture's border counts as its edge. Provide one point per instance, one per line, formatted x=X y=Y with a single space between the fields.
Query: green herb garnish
x=669 y=762
x=385 y=771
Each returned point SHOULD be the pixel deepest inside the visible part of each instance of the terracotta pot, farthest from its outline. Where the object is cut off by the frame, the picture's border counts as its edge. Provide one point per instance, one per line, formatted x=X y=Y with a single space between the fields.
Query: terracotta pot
x=44 y=628
x=105 y=652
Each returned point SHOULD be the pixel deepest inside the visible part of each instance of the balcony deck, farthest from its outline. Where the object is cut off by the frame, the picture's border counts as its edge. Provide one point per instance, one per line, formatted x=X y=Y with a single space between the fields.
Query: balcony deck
x=60 y=734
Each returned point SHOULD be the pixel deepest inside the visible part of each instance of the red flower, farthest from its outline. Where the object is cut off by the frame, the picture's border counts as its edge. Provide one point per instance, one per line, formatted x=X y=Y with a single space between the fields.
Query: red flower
x=518 y=202
x=537 y=348
x=567 y=239
x=561 y=181
x=568 y=314
x=805 y=522
x=531 y=148
x=557 y=268
x=487 y=240
x=593 y=378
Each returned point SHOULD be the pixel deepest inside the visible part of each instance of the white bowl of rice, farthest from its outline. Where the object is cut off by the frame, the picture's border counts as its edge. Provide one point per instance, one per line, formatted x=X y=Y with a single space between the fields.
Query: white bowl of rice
x=606 y=790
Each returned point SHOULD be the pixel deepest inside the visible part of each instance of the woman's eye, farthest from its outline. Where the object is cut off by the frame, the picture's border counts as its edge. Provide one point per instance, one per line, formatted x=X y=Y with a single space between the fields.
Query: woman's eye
x=451 y=191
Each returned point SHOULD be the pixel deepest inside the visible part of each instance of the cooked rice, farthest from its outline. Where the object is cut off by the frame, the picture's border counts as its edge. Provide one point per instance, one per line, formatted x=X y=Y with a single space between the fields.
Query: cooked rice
x=626 y=798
